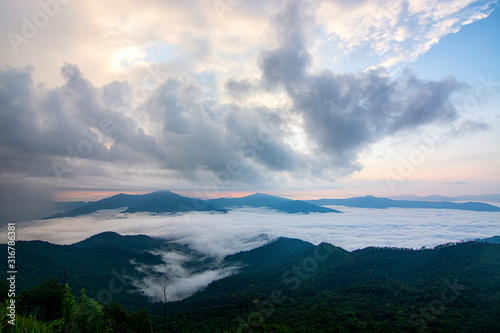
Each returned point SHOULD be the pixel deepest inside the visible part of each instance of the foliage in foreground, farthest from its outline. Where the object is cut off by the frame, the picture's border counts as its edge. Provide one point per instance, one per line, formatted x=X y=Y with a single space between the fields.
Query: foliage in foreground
x=85 y=316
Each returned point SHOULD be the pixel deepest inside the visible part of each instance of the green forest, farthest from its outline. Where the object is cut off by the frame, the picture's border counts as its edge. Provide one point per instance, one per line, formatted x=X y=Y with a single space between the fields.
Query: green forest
x=287 y=285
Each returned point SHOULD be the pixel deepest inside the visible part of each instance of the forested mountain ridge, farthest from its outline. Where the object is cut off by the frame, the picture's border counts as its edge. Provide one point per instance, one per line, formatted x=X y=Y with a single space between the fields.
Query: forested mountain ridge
x=290 y=285
x=325 y=288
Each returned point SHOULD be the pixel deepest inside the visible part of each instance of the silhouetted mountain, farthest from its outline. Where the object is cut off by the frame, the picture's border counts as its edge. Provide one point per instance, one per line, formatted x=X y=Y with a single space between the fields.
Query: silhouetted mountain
x=136 y=243
x=63 y=206
x=270 y=253
x=374 y=202
x=493 y=240
x=116 y=201
x=261 y=200
x=156 y=202
x=491 y=197
x=169 y=202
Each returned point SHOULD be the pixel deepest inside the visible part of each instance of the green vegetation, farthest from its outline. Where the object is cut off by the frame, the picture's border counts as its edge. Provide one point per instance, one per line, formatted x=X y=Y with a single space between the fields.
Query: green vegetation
x=289 y=286
x=85 y=316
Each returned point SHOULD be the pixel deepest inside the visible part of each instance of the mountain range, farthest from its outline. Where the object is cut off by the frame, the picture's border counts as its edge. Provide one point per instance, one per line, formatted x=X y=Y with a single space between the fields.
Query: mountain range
x=490 y=197
x=287 y=285
x=169 y=202
x=382 y=203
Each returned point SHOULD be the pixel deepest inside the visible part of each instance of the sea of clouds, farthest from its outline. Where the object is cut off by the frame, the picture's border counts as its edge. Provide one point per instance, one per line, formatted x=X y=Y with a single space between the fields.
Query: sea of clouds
x=216 y=235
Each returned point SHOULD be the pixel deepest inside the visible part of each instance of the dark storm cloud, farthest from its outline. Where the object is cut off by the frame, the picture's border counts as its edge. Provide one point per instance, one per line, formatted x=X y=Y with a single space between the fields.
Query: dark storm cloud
x=345 y=113
x=22 y=200
x=288 y=63
x=258 y=133
x=17 y=116
x=80 y=130
x=241 y=88
x=200 y=135
x=85 y=103
x=191 y=137
x=39 y=125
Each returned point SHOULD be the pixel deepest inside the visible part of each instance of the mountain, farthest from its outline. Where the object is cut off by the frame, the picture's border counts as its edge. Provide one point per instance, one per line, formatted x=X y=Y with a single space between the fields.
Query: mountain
x=324 y=288
x=90 y=268
x=491 y=197
x=156 y=202
x=117 y=201
x=169 y=202
x=261 y=200
x=135 y=243
x=270 y=253
x=494 y=240
x=374 y=202
x=92 y=263
x=289 y=285
x=63 y=206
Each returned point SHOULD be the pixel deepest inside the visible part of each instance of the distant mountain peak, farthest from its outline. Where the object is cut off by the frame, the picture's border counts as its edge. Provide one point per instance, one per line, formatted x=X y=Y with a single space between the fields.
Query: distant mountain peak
x=263 y=200
x=382 y=203
x=264 y=195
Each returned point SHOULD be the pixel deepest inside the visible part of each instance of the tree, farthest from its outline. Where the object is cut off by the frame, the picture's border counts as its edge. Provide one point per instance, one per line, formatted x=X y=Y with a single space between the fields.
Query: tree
x=44 y=301
x=165 y=288
x=86 y=317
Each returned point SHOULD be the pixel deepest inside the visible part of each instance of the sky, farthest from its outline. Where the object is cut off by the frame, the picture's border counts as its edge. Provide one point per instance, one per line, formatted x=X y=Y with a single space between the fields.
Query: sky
x=302 y=99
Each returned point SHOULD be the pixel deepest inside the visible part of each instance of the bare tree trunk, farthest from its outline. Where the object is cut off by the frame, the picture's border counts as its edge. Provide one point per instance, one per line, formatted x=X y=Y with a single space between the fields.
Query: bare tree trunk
x=165 y=287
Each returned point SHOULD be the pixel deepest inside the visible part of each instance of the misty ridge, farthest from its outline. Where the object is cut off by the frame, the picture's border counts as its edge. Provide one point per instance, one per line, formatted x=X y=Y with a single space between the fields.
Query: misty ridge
x=204 y=289
x=196 y=236
x=172 y=254
x=169 y=202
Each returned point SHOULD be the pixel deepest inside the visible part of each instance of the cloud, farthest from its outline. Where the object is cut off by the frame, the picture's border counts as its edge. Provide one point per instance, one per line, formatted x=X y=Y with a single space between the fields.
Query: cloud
x=24 y=200
x=342 y=114
x=181 y=282
x=66 y=125
x=278 y=120
x=397 y=32
x=218 y=235
x=458 y=182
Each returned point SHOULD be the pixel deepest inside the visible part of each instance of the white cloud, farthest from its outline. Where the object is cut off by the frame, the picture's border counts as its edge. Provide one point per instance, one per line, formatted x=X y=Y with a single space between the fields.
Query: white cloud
x=218 y=235
x=396 y=32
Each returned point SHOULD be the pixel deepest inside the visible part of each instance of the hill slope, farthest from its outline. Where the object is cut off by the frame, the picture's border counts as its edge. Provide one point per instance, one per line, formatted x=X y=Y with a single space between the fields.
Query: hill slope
x=261 y=200
x=269 y=254
x=325 y=288
x=292 y=286
x=156 y=202
x=169 y=202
